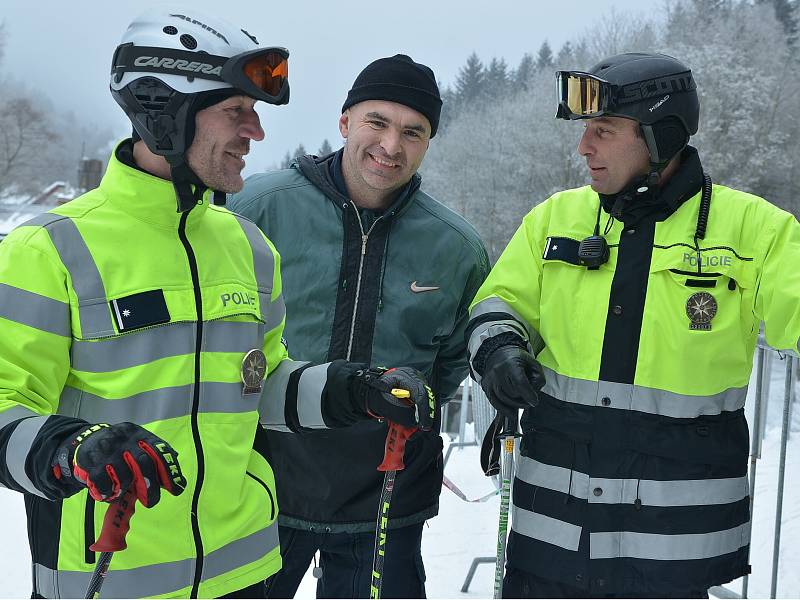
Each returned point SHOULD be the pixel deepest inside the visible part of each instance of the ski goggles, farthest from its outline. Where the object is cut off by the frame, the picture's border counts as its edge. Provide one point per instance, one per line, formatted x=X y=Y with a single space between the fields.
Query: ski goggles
x=262 y=74
x=581 y=95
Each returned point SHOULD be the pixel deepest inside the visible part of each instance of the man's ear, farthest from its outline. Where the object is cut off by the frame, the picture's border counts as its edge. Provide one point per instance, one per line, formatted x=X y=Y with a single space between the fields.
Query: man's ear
x=344 y=123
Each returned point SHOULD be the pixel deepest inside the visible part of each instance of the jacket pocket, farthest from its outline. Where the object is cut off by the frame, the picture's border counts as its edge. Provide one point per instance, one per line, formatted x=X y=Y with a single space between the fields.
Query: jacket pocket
x=88 y=530
x=269 y=493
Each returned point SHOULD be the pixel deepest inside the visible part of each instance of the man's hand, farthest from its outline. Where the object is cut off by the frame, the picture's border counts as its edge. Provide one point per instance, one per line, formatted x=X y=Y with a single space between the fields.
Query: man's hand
x=512 y=379
x=110 y=459
x=374 y=387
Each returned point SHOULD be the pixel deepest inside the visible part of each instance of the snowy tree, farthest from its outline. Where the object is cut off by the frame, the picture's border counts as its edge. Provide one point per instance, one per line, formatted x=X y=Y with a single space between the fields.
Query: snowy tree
x=544 y=59
x=496 y=78
x=522 y=75
x=470 y=81
x=325 y=148
x=25 y=134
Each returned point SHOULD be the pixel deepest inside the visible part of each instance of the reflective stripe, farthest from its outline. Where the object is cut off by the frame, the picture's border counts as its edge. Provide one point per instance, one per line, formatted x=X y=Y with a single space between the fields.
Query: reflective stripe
x=514 y=324
x=546 y=529
x=642 y=399
x=309 y=396
x=277 y=311
x=158 y=404
x=95 y=315
x=483 y=332
x=263 y=263
x=18 y=448
x=494 y=304
x=680 y=492
x=34 y=310
x=176 y=339
x=154 y=580
x=15 y=414
x=656 y=546
x=273 y=396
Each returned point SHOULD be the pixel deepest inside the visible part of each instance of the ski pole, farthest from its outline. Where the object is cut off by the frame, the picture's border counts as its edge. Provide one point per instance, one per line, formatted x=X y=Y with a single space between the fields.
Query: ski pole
x=395 y=447
x=506 y=473
x=116 y=524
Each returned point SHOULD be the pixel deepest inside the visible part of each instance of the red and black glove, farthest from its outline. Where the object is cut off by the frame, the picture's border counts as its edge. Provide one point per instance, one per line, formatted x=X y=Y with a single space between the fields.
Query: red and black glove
x=374 y=388
x=110 y=459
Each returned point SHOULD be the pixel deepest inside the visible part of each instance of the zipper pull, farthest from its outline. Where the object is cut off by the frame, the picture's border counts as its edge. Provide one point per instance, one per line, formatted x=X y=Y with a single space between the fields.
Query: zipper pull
x=364 y=244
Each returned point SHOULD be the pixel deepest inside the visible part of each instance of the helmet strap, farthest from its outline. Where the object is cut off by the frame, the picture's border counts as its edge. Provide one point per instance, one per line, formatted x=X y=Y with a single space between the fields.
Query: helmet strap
x=188 y=188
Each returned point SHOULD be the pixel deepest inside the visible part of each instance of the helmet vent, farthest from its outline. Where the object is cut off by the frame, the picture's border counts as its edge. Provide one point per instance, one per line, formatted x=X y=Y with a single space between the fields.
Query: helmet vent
x=170 y=30
x=188 y=41
x=151 y=93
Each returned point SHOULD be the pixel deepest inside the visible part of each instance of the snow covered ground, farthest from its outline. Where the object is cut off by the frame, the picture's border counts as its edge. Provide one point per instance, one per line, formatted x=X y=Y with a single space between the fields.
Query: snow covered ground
x=463 y=531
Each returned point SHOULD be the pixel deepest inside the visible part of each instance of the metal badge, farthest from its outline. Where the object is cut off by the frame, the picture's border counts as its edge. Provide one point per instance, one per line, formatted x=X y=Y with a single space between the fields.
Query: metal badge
x=701 y=308
x=254 y=368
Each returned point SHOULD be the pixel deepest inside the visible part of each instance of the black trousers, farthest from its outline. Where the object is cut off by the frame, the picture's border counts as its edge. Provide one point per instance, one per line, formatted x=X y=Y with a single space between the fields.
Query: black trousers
x=520 y=584
x=346 y=561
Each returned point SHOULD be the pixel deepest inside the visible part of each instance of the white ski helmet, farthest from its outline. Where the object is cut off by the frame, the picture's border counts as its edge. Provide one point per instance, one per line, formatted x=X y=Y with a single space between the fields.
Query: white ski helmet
x=172 y=63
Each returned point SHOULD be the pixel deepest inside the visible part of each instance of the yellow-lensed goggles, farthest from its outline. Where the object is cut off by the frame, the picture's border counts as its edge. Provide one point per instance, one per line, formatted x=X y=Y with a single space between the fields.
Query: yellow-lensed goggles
x=581 y=95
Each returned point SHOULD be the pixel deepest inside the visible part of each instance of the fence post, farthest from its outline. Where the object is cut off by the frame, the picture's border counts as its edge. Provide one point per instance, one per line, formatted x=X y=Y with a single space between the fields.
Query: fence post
x=776 y=549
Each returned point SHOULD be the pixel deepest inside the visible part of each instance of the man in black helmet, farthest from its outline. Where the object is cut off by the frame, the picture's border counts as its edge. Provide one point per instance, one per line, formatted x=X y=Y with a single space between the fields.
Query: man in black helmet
x=622 y=318
x=376 y=271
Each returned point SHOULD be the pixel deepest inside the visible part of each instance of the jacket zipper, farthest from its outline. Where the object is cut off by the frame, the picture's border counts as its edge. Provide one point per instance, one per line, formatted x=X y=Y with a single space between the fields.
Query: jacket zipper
x=198 y=444
x=269 y=493
x=364 y=238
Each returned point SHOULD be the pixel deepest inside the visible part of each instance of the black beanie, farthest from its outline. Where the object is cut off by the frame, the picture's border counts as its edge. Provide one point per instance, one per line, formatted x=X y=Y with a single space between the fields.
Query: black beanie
x=398 y=79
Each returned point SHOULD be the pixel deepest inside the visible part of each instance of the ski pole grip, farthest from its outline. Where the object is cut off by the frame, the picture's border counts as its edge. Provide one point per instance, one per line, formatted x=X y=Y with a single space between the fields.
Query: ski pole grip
x=116 y=524
x=396 y=439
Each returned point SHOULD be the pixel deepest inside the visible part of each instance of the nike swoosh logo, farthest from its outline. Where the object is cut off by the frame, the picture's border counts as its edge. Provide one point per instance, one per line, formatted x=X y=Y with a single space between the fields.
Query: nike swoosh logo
x=422 y=288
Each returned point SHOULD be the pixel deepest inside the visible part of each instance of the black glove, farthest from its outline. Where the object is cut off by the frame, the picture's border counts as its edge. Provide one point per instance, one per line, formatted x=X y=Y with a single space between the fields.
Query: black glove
x=110 y=459
x=512 y=379
x=372 y=389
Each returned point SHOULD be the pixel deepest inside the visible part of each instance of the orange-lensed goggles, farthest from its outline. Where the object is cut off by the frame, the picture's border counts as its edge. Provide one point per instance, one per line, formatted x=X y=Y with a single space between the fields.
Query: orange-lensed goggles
x=580 y=95
x=262 y=74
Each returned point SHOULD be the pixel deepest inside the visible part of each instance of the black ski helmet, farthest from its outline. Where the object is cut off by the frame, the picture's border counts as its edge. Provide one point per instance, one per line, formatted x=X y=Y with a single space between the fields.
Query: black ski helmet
x=171 y=64
x=656 y=90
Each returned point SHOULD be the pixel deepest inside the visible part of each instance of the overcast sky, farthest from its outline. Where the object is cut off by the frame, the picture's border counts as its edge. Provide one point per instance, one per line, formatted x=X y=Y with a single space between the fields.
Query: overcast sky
x=63 y=49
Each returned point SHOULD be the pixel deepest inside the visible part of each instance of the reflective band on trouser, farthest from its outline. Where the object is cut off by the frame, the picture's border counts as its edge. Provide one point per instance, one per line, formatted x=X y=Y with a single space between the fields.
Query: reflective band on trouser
x=686 y=492
x=176 y=339
x=34 y=310
x=95 y=315
x=273 y=396
x=263 y=263
x=18 y=448
x=157 y=405
x=642 y=399
x=546 y=529
x=309 y=396
x=656 y=546
x=153 y=580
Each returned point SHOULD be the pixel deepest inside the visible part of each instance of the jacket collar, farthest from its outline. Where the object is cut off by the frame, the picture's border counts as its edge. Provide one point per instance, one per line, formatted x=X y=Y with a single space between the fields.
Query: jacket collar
x=326 y=174
x=657 y=203
x=144 y=196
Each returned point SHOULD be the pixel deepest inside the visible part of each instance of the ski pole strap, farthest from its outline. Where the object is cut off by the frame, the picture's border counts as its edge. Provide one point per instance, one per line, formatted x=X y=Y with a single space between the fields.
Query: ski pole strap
x=446 y=482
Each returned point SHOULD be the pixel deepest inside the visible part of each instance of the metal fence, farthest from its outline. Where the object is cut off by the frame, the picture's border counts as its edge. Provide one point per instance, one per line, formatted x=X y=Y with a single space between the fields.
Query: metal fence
x=473 y=407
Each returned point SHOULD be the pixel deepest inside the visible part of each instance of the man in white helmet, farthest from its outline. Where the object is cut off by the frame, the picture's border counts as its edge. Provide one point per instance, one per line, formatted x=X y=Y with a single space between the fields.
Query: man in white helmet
x=133 y=335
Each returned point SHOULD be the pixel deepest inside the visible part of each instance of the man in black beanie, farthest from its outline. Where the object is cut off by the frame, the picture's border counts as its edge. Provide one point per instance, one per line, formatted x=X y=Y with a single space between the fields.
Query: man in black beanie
x=378 y=272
